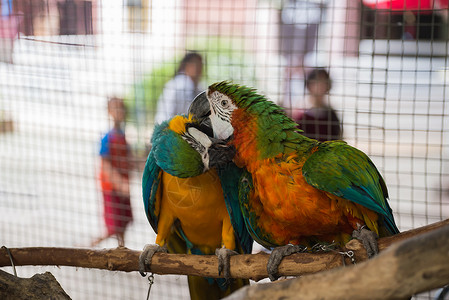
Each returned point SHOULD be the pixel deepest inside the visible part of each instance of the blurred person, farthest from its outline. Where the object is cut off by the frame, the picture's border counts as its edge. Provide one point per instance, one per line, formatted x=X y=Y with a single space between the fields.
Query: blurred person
x=409 y=26
x=181 y=89
x=114 y=175
x=320 y=121
x=9 y=30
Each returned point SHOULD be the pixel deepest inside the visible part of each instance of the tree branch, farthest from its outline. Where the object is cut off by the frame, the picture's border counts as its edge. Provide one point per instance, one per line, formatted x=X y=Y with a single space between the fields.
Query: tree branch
x=40 y=286
x=252 y=266
x=418 y=264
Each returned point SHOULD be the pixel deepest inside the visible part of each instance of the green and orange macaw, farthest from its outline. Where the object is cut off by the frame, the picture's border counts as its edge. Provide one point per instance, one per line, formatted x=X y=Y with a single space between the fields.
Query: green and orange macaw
x=187 y=205
x=296 y=190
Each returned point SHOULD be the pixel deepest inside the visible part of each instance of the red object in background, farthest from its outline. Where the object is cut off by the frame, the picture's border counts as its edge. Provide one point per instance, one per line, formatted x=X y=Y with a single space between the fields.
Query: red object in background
x=9 y=26
x=402 y=5
x=117 y=212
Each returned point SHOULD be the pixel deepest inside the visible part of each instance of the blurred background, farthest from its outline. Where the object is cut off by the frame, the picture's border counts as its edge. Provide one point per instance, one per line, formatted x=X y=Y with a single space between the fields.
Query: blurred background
x=61 y=60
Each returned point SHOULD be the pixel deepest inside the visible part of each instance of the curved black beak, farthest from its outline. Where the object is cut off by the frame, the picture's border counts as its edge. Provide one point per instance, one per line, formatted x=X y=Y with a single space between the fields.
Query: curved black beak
x=200 y=110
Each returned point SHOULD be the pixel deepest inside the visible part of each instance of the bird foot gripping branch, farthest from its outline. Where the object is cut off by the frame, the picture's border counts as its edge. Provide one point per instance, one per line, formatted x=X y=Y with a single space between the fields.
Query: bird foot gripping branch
x=147 y=255
x=368 y=239
x=277 y=255
x=280 y=252
x=224 y=261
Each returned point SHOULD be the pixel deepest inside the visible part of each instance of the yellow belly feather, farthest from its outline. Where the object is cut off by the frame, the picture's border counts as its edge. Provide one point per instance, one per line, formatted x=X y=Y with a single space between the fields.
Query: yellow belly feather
x=198 y=204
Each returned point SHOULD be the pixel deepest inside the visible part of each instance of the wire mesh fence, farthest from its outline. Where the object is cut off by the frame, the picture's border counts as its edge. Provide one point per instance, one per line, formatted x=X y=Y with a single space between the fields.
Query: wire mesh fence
x=62 y=60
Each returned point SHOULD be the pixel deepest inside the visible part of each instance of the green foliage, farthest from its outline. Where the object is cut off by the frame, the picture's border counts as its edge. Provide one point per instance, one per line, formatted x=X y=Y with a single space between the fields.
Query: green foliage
x=143 y=95
x=225 y=58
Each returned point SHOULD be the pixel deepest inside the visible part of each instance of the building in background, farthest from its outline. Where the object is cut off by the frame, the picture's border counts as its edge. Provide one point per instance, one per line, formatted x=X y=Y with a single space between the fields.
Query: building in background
x=56 y=17
x=411 y=22
x=139 y=13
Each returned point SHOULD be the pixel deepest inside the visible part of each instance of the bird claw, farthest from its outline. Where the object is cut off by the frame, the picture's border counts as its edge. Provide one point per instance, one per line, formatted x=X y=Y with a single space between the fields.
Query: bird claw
x=147 y=255
x=224 y=261
x=276 y=257
x=368 y=239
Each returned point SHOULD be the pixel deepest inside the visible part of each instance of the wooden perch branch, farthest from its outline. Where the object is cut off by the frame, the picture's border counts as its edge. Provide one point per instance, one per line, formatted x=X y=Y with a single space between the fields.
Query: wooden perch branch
x=252 y=266
x=418 y=264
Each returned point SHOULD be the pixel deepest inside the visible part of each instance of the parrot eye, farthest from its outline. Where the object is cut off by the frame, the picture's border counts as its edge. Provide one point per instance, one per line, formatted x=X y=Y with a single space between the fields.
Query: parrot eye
x=224 y=103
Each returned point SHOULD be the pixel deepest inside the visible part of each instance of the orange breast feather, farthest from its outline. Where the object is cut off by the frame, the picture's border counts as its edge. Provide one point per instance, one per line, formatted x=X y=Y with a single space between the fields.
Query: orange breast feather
x=293 y=211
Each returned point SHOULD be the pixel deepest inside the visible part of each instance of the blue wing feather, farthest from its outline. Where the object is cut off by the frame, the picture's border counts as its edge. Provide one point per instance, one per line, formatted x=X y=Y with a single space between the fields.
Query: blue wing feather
x=150 y=184
x=230 y=176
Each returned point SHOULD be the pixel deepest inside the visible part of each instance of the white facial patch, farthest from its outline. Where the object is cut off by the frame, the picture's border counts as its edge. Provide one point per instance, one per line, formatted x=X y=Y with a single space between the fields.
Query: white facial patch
x=200 y=136
x=202 y=139
x=222 y=129
x=221 y=114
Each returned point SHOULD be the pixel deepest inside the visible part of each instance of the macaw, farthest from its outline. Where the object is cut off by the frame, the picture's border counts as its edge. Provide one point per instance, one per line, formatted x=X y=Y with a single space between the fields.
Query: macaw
x=295 y=190
x=187 y=206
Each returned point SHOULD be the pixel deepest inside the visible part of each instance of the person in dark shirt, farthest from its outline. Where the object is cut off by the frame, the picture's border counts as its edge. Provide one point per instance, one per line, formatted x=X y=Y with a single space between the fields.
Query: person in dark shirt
x=319 y=122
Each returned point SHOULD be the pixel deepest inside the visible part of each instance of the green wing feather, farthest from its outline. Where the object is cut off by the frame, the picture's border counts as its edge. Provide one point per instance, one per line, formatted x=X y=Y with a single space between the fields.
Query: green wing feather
x=347 y=172
x=174 y=155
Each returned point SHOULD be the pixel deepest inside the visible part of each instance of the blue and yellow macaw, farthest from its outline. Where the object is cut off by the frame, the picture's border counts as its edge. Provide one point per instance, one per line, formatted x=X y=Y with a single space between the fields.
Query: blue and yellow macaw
x=188 y=206
x=296 y=190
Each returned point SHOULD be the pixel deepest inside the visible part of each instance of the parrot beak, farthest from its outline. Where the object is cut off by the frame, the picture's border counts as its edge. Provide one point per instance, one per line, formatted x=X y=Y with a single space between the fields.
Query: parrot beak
x=200 y=110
